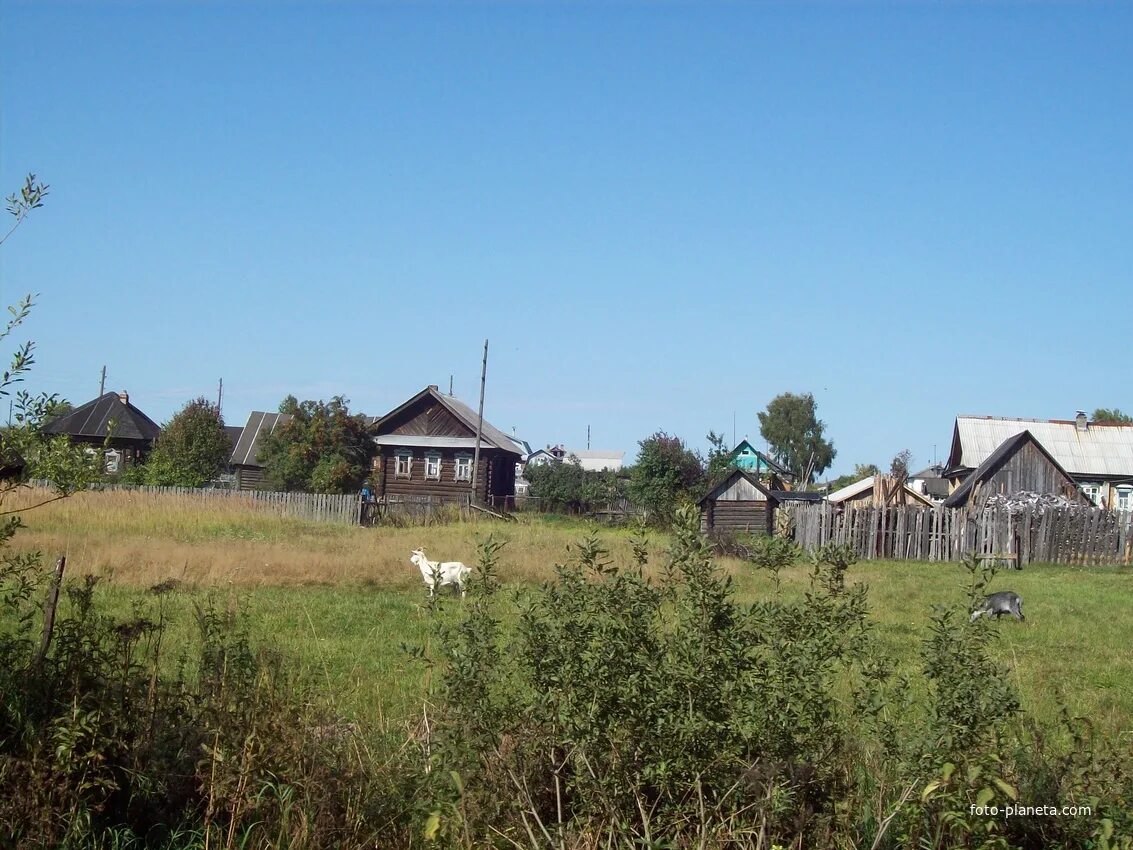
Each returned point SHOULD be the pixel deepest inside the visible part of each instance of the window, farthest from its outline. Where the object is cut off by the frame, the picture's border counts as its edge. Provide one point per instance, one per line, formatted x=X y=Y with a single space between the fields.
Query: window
x=433 y=466
x=464 y=467
x=1093 y=492
x=404 y=468
x=1125 y=498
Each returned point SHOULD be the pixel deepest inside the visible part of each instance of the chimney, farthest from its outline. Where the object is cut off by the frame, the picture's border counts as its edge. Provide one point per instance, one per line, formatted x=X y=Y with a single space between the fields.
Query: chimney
x=124 y=397
x=1080 y=421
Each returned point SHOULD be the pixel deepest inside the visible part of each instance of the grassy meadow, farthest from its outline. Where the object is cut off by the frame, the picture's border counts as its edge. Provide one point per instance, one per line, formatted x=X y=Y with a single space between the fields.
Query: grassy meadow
x=344 y=601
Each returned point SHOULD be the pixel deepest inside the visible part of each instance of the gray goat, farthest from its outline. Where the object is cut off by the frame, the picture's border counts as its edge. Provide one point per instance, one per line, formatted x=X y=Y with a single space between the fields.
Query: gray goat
x=998 y=604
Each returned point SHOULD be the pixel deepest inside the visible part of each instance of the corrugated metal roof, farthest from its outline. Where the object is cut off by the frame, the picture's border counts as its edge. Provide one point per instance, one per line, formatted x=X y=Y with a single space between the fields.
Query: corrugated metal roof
x=851 y=490
x=247 y=448
x=1100 y=449
x=92 y=419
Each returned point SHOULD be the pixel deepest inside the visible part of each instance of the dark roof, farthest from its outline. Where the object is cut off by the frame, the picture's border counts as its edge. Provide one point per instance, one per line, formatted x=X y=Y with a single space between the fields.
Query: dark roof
x=91 y=420
x=730 y=479
x=797 y=495
x=490 y=435
x=994 y=460
x=233 y=432
x=259 y=423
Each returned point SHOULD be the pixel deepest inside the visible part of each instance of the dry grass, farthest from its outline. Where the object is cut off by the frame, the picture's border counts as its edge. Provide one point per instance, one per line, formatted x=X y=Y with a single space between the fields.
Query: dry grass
x=139 y=539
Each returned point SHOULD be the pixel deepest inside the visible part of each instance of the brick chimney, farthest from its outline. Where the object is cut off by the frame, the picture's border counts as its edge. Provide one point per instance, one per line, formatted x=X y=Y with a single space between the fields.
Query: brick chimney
x=1080 y=421
x=124 y=397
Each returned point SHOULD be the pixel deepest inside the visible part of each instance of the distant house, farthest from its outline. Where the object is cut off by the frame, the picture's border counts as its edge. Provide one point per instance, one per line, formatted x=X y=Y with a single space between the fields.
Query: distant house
x=739 y=504
x=1097 y=456
x=1019 y=464
x=426 y=447
x=245 y=461
x=748 y=457
x=877 y=490
x=112 y=421
x=593 y=460
x=930 y=482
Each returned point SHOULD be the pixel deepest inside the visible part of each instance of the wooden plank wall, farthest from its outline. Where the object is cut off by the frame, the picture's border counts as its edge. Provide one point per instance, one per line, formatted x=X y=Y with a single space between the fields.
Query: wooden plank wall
x=1077 y=535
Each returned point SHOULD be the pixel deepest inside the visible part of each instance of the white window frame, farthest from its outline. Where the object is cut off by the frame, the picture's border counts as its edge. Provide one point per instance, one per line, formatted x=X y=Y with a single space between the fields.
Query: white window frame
x=462 y=470
x=432 y=466
x=1093 y=493
x=1123 y=500
x=400 y=456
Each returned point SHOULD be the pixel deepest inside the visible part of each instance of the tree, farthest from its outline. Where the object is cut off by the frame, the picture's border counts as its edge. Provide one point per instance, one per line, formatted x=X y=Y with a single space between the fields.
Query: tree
x=1114 y=416
x=323 y=448
x=794 y=434
x=566 y=486
x=718 y=454
x=666 y=473
x=191 y=449
x=899 y=466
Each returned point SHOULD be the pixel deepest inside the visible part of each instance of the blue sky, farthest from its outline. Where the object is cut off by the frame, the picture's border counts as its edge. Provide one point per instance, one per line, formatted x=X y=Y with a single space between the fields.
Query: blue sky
x=659 y=214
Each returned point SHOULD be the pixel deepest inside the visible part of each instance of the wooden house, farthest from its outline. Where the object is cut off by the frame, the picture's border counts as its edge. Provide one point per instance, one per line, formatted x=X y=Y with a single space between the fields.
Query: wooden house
x=109 y=421
x=878 y=490
x=245 y=460
x=1098 y=456
x=426 y=447
x=739 y=504
x=1020 y=464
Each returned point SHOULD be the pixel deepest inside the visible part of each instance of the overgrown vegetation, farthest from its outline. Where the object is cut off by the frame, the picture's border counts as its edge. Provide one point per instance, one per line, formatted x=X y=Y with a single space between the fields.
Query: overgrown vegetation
x=565 y=487
x=191 y=449
x=322 y=448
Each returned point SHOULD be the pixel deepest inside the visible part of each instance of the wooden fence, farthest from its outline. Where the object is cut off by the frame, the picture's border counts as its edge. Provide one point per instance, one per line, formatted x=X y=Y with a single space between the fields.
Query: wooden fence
x=317 y=507
x=1069 y=535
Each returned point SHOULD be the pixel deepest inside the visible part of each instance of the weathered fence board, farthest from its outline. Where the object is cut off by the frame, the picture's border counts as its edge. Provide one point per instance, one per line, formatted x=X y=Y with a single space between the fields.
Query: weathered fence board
x=317 y=507
x=1060 y=535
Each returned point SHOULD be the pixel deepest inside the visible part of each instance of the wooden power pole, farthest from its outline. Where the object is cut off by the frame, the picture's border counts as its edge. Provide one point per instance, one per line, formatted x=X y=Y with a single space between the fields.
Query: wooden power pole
x=102 y=382
x=480 y=420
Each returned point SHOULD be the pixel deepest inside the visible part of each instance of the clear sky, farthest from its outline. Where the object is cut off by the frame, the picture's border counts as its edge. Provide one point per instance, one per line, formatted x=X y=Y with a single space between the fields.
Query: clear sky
x=661 y=214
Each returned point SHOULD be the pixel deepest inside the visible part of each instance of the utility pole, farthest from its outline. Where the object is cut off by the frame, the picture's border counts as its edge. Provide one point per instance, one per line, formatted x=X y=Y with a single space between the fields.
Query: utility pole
x=480 y=420
x=219 y=395
x=102 y=382
x=587 y=438
x=450 y=385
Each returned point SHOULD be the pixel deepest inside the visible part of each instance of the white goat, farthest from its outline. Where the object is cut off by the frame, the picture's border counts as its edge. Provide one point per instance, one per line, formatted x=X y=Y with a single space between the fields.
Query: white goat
x=435 y=572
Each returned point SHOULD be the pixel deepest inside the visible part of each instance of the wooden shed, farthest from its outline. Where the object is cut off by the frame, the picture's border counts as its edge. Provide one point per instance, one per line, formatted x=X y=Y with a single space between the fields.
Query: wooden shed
x=426 y=448
x=878 y=490
x=1020 y=464
x=738 y=504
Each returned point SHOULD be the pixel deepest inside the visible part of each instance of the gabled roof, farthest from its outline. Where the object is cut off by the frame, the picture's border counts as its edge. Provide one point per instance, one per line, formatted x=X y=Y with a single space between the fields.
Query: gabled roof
x=259 y=423
x=731 y=479
x=91 y=421
x=996 y=459
x=490 y=436
x=777 y=468
x=797 y=495
x=866 y=484
x=1101 y=449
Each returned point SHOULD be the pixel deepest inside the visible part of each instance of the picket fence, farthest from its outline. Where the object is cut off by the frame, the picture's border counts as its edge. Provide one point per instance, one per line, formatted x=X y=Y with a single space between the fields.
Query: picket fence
x=1044 y=534
x=316 y=507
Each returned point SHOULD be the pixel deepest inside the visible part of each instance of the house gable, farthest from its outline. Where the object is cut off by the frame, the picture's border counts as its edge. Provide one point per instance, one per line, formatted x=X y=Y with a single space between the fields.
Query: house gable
x=426 y=418
x=1020 y=464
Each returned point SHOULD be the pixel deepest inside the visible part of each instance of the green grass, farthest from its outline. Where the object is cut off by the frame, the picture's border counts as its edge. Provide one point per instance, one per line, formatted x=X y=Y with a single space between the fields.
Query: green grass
x=1073 y=649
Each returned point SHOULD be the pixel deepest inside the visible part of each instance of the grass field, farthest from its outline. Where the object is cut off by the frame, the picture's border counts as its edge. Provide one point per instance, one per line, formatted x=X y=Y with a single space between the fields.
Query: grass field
x=343 y=601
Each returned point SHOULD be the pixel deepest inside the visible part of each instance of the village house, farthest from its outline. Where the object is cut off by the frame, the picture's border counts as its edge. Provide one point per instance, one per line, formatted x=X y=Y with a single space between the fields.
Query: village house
x=109 y=421
x=1098 y=456
x=245 y=461
x=1021 y=464
x=426 y=449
